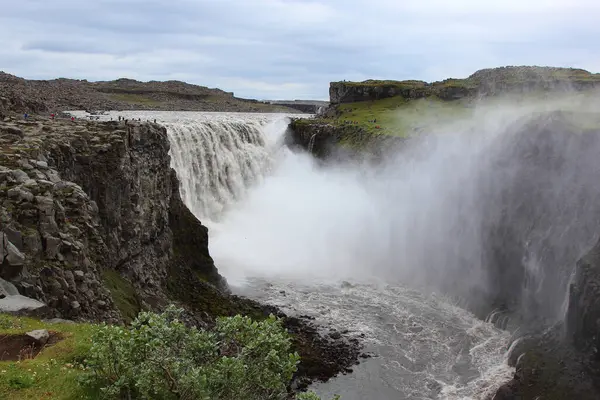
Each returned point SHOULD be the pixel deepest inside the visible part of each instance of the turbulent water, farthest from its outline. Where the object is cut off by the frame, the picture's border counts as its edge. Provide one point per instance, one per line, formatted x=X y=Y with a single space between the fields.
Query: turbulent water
x=338 y=243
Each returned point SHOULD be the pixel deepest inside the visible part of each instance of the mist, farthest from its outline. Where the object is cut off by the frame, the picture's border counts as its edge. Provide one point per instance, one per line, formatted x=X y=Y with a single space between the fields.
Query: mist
x=493 y=208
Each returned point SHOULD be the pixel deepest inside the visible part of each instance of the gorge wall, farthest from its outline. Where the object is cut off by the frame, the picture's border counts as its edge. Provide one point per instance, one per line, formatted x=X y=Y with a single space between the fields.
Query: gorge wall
x=93 y=212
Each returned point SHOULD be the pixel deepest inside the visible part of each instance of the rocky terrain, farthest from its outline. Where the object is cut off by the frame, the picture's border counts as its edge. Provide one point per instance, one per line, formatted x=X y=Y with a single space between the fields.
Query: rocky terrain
x=485 y=82
x=93 y=229
x=52 y=96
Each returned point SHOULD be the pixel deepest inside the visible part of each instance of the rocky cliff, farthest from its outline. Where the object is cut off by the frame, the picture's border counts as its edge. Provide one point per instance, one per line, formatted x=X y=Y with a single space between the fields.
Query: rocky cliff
x=563 y=361
x=89 y=207
x=484 y=82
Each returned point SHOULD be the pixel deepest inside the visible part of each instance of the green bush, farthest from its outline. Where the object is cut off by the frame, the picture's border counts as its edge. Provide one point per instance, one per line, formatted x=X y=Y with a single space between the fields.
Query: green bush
x=158 y=357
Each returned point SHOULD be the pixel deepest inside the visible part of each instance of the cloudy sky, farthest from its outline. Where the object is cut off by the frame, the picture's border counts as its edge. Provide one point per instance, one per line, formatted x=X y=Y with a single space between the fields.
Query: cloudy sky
x=273 y=49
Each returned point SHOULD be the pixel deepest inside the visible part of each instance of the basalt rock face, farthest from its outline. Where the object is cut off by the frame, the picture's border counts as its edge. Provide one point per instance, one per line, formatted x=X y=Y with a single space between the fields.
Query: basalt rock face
x=90 y=217
x=583 y=314
x=563 y=362
x=540 y=211
x=327 y=141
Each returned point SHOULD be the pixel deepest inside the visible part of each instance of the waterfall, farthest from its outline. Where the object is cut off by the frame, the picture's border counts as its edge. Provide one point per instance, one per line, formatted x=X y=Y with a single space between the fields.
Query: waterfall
x=217 y=161
x=311 y=143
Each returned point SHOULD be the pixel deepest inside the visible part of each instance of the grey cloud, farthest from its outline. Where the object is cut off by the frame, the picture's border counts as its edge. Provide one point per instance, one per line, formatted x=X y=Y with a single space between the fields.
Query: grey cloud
x=291 y=48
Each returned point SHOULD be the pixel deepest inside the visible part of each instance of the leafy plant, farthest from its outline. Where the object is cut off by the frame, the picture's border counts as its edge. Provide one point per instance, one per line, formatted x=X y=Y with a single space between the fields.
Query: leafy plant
x=158 y=357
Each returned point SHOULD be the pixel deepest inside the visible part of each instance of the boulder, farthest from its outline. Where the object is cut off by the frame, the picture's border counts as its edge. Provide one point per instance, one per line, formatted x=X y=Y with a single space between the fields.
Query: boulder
x=12 y=260
x=19 y=175
x=7 y=289
x=40 y=336
x=53 y=246
x=21 y=305
x=15 y=237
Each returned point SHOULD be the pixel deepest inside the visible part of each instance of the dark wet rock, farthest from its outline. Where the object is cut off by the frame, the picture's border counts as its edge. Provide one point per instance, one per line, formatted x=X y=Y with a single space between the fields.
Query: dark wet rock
x=563 y=362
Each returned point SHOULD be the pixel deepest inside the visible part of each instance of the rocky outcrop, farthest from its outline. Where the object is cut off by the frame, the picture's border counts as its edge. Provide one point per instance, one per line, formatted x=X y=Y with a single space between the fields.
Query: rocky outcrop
x=339 y=141
x=583 y=314
x=349 y=92
x=563 y=362
x=486 y=82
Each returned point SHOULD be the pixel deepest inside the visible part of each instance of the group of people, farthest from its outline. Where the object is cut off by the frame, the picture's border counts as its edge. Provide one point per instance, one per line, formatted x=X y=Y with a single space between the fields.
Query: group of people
x=53 y=116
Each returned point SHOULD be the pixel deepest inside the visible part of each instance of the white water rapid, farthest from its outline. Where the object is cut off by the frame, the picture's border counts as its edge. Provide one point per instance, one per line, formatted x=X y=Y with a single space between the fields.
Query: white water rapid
x=339 y=243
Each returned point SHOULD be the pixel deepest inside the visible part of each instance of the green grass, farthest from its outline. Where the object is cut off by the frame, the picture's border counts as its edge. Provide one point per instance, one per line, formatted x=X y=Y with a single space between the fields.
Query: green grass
x=123 y=294
x=403 y=117
x=54 y=373
x=398 y=116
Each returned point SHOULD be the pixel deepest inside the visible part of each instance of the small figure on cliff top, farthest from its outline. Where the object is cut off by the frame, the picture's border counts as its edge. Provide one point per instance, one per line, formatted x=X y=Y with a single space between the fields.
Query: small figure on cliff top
x=25 y=116
x=72 y=119
x=52 y=116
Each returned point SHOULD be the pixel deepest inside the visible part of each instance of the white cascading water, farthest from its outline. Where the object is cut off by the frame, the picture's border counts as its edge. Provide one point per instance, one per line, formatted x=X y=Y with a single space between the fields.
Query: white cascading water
x=217 y=161
x=349 y=246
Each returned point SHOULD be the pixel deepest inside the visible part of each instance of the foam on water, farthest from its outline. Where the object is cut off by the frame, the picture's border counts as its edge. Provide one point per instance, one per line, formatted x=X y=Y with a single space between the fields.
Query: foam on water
x=425 y=346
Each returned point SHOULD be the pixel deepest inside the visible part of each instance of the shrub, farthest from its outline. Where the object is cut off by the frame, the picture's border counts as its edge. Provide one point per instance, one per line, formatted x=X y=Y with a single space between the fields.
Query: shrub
x=158 y=357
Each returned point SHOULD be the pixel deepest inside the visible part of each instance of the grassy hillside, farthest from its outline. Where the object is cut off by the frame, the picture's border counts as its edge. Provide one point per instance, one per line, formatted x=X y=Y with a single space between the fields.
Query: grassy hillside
x=396 y=115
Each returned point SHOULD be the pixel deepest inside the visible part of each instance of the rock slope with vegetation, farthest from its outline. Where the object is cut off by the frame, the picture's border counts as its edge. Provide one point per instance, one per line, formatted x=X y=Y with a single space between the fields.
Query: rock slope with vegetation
x=93 y=229
x=52 y=96
x=405 y=108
